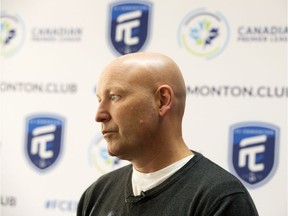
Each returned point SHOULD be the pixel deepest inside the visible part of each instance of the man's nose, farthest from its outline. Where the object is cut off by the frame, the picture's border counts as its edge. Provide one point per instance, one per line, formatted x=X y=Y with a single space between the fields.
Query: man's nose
x=102 y=114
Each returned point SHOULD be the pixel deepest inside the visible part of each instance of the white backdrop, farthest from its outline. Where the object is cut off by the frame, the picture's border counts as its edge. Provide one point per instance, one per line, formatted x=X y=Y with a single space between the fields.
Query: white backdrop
x=233 y=57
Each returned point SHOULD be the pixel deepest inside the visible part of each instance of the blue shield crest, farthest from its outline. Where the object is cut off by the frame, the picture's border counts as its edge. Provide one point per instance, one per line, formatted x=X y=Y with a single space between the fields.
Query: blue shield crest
x=254 y=151
x=129 y=25
x=44 y=140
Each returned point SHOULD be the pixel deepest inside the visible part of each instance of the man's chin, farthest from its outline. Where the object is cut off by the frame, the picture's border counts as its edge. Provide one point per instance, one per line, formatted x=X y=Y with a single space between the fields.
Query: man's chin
x=117 y=154
x=112 y=152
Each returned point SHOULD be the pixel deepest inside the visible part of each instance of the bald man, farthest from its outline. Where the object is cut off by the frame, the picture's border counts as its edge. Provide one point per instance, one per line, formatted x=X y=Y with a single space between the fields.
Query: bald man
x=141 y=105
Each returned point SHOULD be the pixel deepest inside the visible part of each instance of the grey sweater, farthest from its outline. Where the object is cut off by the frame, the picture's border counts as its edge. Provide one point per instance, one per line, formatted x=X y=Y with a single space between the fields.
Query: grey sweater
x=199 y=188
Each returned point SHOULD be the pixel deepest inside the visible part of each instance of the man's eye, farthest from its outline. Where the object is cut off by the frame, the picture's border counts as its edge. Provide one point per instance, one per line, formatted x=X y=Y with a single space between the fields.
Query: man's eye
x=114 y=97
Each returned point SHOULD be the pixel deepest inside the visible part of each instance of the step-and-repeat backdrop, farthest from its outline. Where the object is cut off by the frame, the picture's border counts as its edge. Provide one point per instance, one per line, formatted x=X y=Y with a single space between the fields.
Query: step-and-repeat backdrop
x=233 y=56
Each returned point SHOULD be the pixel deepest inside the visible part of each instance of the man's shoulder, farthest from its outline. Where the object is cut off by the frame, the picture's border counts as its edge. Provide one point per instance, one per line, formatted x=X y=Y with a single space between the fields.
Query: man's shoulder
x=219 y=187
x=207 y=171
x=215 y=176
x=104 y=186
x=118 y=176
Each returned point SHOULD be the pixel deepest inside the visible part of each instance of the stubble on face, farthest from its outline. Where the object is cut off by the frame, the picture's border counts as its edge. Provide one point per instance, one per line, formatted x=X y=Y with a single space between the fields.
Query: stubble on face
x=136 y=125
x=131 y=116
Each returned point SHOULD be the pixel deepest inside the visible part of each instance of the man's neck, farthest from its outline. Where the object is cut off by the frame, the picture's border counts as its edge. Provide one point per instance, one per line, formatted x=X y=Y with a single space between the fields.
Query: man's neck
x=161 y=159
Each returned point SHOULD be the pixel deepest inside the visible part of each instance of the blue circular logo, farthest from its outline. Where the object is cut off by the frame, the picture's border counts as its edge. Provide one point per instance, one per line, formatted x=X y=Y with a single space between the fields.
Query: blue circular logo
x=204 y=34
x=100 y=158
x=12 y=34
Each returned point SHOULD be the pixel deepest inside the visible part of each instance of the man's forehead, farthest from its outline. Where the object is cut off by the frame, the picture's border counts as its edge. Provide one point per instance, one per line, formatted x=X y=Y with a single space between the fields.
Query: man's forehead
x=122 y=75
x=110 y=85
x=119 y=76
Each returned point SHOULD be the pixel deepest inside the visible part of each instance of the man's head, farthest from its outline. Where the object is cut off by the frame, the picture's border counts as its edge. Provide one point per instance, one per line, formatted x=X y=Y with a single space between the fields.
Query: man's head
x=141 y=104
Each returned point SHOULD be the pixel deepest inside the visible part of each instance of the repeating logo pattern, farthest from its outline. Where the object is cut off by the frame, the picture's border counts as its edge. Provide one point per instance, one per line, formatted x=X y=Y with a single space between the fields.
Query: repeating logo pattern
x=254 y=151
x=100 y=158
x=203 y=33
x=129 y=26
x=11 y=34
x=44 y=140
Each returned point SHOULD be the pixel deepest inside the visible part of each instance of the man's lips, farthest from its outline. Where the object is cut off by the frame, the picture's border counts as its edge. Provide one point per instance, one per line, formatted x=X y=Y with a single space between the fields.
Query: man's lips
x=107 y=132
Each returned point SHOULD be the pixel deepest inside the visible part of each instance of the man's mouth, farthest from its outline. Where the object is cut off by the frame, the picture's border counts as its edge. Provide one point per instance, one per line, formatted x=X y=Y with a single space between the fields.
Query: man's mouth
x=107 y=132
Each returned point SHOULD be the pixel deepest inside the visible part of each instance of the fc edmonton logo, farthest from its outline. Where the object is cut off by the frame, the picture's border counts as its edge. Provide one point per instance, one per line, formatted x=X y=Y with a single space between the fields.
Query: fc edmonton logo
x=44 y=140
x=203 y=33
x=129 y=25
x=254 y=151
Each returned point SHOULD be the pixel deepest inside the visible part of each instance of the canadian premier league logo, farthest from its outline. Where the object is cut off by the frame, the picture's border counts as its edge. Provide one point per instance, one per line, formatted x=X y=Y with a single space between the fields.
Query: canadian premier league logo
x=254 y=151
x=44 y=140
x=129 y=25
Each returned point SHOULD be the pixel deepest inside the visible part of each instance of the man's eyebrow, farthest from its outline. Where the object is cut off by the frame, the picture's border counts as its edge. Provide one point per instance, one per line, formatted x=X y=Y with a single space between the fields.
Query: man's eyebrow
x=114 y=87
x=110 y=89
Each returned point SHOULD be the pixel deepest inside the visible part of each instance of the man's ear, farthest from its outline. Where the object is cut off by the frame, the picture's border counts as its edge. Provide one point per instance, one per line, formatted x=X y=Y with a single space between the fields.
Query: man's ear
x=164 y=97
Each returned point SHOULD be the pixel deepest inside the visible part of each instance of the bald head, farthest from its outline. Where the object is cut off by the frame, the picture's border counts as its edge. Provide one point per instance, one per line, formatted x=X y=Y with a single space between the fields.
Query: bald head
x=150 y=70
x=155 y=67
